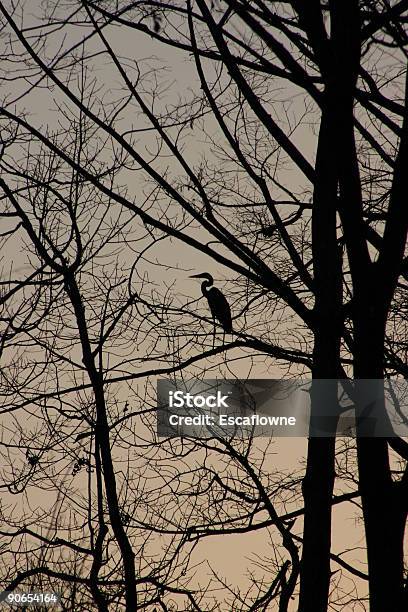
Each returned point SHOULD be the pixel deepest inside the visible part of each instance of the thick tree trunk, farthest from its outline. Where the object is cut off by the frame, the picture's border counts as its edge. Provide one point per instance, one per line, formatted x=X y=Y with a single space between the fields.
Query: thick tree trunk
x=384 y=522
x=317 y=493
x=339 y=58
x=383 y=509
x=319 y=479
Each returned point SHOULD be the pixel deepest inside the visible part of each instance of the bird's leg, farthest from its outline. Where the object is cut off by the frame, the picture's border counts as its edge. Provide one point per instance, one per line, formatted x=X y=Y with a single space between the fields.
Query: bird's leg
x=213 y=333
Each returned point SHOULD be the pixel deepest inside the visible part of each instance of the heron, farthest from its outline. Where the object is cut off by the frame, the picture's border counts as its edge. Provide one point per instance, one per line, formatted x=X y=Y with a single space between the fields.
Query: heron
x=219 y=307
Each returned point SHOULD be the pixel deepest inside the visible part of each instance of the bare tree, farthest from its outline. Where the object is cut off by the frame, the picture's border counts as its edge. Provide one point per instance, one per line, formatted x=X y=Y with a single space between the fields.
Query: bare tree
x=296 y=190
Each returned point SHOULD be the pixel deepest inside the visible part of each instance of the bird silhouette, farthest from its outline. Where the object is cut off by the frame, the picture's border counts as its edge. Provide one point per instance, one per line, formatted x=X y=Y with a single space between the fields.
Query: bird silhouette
x=219 y=307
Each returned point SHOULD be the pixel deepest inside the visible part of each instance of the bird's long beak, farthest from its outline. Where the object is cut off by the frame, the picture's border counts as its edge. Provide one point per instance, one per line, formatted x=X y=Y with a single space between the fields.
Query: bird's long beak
x=196 y=276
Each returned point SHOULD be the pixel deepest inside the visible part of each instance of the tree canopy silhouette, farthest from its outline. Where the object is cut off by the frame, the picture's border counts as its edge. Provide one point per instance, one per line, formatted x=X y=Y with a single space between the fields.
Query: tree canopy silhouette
x=265 y=142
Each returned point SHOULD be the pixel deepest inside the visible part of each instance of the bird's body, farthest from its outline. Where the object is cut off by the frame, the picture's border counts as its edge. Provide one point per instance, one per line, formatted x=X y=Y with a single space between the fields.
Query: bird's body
x=219 y=307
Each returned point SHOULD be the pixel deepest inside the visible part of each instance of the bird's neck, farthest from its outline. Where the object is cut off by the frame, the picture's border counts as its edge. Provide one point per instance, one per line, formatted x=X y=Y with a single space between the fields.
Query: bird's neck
x=205 y=286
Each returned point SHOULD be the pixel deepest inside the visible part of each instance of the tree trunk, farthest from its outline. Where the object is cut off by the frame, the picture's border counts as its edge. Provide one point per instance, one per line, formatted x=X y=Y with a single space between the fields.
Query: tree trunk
x=103 y=443
x=319 y=479
x=383 y=509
